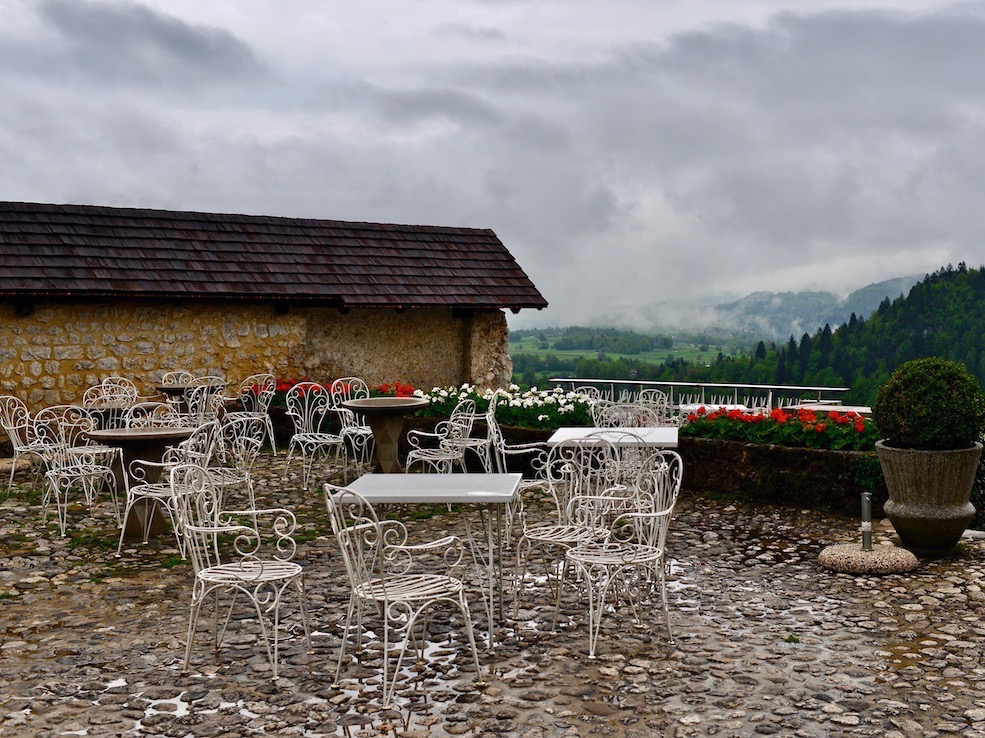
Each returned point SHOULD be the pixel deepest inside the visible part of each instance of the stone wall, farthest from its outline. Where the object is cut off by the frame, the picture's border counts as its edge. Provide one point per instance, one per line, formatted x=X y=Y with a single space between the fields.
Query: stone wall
x=52 y=355
x=807 y=478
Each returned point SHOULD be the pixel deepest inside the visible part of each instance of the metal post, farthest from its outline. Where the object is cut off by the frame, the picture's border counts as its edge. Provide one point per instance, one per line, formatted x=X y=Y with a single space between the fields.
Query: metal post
x=866 y=521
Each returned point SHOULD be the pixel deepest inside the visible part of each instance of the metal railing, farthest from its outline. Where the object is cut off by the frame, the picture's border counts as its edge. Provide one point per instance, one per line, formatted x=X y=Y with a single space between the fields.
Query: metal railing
x=679 y=393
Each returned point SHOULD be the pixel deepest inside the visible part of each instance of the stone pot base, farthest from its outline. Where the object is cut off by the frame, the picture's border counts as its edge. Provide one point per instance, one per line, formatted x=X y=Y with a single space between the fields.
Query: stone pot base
x=929 y=495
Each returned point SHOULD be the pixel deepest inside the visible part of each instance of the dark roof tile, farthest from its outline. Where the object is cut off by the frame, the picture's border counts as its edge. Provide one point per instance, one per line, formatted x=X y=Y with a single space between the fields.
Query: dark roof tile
x=62 y=250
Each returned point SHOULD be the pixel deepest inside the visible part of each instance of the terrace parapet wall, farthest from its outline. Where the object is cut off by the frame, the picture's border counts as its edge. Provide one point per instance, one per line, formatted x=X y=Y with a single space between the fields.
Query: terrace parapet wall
x=52 y=355
x=807 y=478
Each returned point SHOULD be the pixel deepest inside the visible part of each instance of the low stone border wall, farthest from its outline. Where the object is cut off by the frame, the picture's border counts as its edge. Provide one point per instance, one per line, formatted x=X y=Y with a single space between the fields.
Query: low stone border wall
x=808 y=478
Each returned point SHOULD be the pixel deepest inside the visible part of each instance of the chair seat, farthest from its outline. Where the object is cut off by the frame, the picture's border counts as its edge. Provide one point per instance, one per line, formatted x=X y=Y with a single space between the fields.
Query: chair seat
x=316 y=438
x=80 y=471
x=614 y=553
x=410 y=587
x=564 y=534
x=250 y=571
x=156 y=490
x=227 y=475
x=435 y=453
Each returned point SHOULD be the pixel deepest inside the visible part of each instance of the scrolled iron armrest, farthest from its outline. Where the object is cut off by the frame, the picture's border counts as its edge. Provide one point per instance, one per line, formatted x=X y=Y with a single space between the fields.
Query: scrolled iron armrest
x=274 y=524
x=137 y=469
x=416 y=438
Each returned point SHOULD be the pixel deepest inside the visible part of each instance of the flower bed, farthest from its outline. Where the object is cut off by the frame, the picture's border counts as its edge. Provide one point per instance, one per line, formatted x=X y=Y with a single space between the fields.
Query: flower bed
x=533 y=408
x=800 y=429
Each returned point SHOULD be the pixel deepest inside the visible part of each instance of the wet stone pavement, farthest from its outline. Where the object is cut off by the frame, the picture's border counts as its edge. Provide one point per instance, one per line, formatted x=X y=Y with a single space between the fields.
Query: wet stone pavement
x=766 y=642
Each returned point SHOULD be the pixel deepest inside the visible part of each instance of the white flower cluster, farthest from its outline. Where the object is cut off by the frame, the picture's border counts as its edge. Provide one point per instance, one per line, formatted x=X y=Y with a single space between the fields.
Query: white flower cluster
x=561 y=400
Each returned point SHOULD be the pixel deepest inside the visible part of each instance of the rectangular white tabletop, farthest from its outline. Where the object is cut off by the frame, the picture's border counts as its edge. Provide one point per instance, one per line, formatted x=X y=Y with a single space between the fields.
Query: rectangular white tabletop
x=662 y=436
x=437 y=488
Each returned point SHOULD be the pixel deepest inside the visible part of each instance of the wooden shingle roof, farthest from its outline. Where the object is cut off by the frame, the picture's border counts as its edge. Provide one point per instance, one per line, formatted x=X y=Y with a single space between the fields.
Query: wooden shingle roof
x=93 y=252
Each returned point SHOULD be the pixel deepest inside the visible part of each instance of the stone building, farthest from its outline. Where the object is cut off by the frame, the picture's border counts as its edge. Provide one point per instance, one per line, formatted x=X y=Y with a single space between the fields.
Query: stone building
x=90 y=292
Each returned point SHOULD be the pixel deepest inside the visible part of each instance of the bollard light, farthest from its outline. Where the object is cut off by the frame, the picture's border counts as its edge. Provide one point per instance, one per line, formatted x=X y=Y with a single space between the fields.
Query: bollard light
x=866 y=521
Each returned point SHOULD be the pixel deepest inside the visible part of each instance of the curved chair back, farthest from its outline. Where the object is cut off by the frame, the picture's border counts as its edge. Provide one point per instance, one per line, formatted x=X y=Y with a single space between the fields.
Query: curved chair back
x=308 y=405
x=151 y=415
x=607 y=414
x=458 y=427
x=256 y=392
x=203 y=402
x=580 y=467
x=16 y=421
x=64 y=424
x=178 y=376
x=349 y=388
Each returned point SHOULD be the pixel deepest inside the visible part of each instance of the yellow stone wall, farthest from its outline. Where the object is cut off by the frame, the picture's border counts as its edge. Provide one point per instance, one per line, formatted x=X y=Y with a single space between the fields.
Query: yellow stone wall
x=425 y=348
x=54 y=354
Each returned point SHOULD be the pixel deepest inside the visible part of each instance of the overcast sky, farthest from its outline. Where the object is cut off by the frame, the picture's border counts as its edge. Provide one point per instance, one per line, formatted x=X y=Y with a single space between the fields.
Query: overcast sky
x=627 y=152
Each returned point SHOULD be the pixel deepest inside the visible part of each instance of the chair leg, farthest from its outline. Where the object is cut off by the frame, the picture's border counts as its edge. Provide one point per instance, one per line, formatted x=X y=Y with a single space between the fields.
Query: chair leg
x=345 y=640
x=269 y=422
x=196 y=606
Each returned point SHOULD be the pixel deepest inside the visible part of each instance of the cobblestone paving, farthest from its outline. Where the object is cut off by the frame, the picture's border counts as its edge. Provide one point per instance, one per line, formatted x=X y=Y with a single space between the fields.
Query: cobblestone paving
x=766 y=642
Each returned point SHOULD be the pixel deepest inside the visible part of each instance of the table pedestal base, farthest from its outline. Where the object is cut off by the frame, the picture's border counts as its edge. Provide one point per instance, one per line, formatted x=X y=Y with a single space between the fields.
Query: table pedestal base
x=386 y=431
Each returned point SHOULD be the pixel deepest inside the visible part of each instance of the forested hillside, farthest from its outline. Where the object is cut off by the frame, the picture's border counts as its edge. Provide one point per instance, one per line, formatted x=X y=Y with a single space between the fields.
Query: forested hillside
x=943 y=315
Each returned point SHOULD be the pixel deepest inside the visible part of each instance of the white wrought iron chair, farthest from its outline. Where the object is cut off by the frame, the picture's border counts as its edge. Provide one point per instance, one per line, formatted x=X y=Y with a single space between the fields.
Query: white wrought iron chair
x=72 y=463
x=256 y=392
x=240 y=440
x=659 y=402
x=109 y=400
x=590 y=391
x=201 y=404
x=152 y=414
x=247 y=554
x=624 y=415
x=445 y=448
x=177 y=376
x=309 y=406
x=394 y=579
x=576 y=468
x=19 y=426
x=500 y=450
x=629 y=565
x=358 y=436
x=149 y=482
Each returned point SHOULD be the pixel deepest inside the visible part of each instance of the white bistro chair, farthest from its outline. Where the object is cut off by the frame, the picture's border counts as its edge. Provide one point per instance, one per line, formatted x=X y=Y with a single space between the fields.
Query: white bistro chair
x=628 y=567
x=358 y=436
x=236 y=556
x=256 y=392
x=400 y=582
x=19 y=426
x=445 y=448
x=72 y=463
x=309 y=406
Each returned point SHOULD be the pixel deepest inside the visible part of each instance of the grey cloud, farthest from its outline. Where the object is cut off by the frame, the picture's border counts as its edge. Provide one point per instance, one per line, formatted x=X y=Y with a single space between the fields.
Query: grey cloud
x=128 y=44
x=403 y=106
x=387 y=106
x=472 y=33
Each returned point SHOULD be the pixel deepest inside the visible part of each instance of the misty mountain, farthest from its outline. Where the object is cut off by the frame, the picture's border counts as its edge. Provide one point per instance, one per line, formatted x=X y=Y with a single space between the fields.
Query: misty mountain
x=768 y=315
x=779 y=315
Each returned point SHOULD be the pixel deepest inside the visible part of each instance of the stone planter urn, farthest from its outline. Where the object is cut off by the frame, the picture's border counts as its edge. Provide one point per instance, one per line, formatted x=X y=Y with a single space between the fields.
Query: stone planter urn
x=929 y=494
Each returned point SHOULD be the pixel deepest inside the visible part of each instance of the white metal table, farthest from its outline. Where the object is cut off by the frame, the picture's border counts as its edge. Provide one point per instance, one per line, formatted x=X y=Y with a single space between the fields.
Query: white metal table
x=494 y=491
x=659 y=437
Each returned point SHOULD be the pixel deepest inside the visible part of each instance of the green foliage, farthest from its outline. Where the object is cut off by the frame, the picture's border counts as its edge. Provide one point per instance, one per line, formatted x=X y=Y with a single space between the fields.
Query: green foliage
x=931 y=404
x=804 y=429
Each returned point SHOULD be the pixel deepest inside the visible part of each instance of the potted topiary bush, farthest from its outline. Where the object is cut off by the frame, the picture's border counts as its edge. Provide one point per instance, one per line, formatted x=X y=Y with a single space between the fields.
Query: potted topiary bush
x=931 y=413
